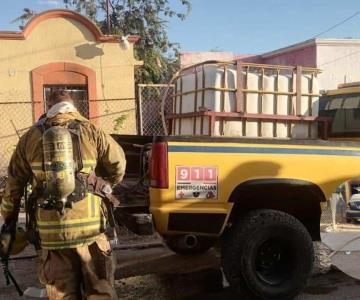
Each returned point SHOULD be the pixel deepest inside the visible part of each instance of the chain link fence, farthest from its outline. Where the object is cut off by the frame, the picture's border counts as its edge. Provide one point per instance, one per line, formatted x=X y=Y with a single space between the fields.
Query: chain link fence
x=327 y=218
x=150 y=97
x=115 y=116
x=16 y=118
x=112 y=115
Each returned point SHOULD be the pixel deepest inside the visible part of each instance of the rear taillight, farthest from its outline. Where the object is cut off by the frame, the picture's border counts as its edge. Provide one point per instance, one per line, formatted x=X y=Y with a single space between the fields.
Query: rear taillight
x=159 y=166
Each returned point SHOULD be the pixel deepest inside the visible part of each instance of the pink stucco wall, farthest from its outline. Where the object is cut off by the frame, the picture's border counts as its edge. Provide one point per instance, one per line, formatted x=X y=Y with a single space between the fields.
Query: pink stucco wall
x=190 y=58
x=305 y=57
x=256 y=59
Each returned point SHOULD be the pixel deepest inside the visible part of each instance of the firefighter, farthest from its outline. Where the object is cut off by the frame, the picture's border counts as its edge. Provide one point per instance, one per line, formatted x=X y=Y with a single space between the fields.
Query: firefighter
x=76 y=258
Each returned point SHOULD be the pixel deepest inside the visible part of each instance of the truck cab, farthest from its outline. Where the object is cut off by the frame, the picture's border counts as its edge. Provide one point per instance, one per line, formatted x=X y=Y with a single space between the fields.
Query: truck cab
x=342 y=106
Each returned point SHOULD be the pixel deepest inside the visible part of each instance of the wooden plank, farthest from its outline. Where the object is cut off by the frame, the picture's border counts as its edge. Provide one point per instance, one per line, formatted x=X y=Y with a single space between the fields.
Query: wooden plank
x=195 y=101
x=310 y=112
x=244 y=91
x=239 y=87
x=244 y=99
x=269 y=117
x=175 y=100
x=260 y=102
x=276 y=99
x=212 y=123
x=298 y=90
x=202 y=99
x=181 y=103
x=222 y=99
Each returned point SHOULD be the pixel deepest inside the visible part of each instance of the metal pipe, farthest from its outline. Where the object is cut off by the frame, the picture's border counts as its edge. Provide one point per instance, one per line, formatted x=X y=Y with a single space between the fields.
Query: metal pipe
x=141 y=110
x=245 y=91
x=252 y=65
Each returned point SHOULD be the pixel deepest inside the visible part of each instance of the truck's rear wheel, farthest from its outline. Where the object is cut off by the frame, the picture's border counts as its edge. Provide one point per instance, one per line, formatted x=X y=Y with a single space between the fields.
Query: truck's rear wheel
x=268 y=254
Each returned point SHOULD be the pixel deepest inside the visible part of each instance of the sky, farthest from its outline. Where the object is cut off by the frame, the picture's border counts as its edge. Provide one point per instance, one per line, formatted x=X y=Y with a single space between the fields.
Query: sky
x=239 y=26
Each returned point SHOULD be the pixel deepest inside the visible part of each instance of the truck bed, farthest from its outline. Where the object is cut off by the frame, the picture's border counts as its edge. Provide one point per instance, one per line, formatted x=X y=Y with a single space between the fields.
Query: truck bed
x=133 y=191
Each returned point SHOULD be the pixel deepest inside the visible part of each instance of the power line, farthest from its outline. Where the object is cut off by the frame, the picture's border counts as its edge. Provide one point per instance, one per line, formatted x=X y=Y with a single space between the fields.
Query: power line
x=338 y=24
x=338 y=58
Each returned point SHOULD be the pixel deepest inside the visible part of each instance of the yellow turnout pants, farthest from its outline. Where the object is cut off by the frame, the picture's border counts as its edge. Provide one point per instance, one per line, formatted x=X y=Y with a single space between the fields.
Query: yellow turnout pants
x=85 y=272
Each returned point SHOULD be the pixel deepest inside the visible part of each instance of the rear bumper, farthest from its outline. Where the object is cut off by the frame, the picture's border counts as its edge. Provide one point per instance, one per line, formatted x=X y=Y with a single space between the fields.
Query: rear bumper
x=184 y=218
x=209 y=223
x=352 y=214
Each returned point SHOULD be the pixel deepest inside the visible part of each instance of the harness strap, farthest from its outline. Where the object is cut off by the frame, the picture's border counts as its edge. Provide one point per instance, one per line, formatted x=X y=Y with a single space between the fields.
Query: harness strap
x=74 y=129
x=100 y=187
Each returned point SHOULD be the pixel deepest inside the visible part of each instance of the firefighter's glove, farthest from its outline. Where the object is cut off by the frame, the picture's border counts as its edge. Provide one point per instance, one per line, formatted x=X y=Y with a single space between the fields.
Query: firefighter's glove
x=9 y=227
x=5 y=241
x=12 y=238
x=7 y=233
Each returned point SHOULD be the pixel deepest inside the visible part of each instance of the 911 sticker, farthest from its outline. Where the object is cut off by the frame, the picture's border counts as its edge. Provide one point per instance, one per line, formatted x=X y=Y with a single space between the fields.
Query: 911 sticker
x=196 y=182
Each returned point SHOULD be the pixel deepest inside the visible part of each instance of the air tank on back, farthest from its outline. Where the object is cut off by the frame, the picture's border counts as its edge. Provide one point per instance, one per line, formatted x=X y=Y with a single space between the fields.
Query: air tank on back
x=59 y=165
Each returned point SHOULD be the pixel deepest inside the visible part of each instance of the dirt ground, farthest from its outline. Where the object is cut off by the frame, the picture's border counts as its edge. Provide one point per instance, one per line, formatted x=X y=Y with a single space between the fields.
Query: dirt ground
x=207 y=285
x=157 y=273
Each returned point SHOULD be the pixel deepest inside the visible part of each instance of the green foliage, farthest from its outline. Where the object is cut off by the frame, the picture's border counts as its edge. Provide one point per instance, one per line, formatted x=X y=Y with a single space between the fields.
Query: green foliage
x=24 y=18
x=86 y=7
x=119 y=123
x=146 y=18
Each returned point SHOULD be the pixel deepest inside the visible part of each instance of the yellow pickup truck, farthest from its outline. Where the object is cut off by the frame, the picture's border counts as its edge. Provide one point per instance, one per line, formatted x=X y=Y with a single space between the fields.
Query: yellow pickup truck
x=265 y=203
x=261 y=197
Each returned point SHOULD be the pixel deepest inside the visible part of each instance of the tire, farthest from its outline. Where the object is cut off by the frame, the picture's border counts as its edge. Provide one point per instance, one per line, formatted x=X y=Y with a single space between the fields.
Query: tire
x=268 y=254
x=177 y=245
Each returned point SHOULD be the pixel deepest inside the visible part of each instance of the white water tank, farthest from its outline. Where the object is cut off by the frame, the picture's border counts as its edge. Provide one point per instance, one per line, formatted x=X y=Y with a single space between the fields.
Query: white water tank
x=267 y=91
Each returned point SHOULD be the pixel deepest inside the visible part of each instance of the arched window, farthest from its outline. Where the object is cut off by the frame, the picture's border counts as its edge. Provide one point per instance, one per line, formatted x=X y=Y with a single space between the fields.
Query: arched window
x=78 y=79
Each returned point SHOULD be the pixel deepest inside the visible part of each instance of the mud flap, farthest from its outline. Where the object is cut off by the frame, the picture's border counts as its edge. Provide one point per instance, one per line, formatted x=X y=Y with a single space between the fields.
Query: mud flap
x=345 y=247
x=347 y=262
